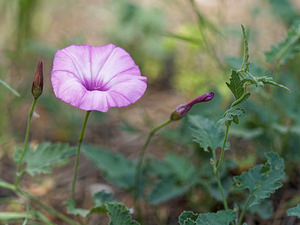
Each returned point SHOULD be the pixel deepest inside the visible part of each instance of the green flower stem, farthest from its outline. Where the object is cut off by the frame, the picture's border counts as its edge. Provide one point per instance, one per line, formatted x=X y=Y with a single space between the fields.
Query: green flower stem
x=139 y=167
x=142 y=153
x=218 y=166
x=38 y=202
x=221 y=190
x=244 y=209
x=25 y=147
x=48 y=208
x=80 y=139
x=220 y=162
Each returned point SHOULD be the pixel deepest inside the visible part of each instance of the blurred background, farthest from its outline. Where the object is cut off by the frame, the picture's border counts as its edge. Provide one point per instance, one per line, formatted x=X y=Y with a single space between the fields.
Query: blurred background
x=185 y=48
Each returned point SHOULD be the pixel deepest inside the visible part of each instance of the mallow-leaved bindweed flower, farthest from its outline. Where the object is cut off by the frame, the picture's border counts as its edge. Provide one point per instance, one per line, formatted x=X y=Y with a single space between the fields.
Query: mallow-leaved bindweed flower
x=183 y=109
x=96 y=77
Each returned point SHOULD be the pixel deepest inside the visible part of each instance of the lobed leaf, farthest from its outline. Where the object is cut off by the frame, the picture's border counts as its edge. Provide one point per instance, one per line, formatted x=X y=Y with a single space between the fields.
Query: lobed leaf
x=294 y=211
x=187 y=218
x=288 y=47
x=180 y=167
x=168 y=188
x=40 y=159
x=115 y=167
x=236 y=85
x=264 y=209
x=119 y=215
x=71 y=209
x=270 y=81
x=256 y=75
x=232 y=115
x=176 y=175
x=100 y=199
x=262 y=180
x=223 y=217
x=208 y=134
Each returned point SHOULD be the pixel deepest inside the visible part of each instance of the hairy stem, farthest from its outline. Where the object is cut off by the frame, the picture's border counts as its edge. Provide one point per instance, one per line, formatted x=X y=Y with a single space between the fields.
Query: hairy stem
x=220 y=162
x=38 y=202
x=80 y=139
x=142 y=153
x=218 y=166
x=245 y=209
x=141 y=159
x=25 y=147
x=221 y=189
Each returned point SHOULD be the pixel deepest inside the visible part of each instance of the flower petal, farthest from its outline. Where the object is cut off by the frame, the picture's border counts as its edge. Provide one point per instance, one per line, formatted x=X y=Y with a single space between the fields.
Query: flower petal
x=117 y=57
x=95 y=100
x=126 y=89
x=67 y=87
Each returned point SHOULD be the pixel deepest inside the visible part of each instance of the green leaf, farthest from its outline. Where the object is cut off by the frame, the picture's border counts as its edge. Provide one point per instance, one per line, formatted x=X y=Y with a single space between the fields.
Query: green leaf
x=220 y=218
x=180 y=167
x=188 y=218
x=208 y=181
x=245 y=63
x=71 y=209
x=176 y=175
x=294 y=211
x=115 y=167
x=254 y=67
x=263 y=209
x=158 y=168
x=270 y=81
x=168 y=188
x=119 y=215
x=232 y=115
x=184 y=38
x=207 y=133
x=9 y=88
x=262 y=180
x=256 y=75
x=288 y=47
x=285 y=10
x=4 y=216
x=40 y=159
x=236 y=85
x=100 y=199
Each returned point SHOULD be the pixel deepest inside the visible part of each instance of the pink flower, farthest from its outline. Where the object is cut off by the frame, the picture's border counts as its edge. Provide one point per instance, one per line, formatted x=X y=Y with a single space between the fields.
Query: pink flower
x=96 y=77
x=183 y=109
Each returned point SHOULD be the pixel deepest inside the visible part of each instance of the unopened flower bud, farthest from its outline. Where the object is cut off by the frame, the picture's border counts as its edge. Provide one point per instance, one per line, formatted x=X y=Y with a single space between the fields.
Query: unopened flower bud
x=183 y=109
x=37 y=85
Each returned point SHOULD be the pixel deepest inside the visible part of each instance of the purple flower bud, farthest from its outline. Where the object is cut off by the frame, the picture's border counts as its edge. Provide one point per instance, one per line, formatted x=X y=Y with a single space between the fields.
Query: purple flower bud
x=183 y=109
x=37 y=85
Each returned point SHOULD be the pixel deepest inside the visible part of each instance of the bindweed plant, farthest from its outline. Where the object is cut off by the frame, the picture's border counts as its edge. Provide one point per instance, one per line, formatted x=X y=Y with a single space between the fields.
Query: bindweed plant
x=98 y=78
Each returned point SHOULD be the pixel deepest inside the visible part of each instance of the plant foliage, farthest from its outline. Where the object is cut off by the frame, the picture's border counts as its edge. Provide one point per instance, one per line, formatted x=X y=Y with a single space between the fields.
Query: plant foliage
x=262 y=180
x=40 y=159
x=219 y=218
x=116 y=168
x=288 y=47
x=207 y=133
x=176 y=178
x=294 y=211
